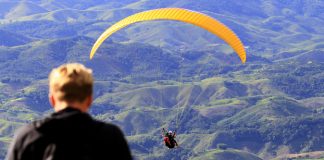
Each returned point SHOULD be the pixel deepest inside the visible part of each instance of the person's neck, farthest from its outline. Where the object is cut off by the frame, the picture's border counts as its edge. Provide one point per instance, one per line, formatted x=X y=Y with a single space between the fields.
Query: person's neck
x=76 y=105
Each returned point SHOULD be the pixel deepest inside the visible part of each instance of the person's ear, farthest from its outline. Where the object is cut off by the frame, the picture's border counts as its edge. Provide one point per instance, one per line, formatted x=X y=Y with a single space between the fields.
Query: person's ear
x=89 y=101
x=51 y=100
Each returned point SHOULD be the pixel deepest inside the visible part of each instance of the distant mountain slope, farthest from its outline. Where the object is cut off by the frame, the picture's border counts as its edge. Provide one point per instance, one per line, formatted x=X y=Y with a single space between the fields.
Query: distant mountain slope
x=226 y=155
x=276 y=27
x=138 y=88
x=5 y=7
x=12 y=10
x=63 y=16
x=174 y=75
x=12 y=39
x=319 y=155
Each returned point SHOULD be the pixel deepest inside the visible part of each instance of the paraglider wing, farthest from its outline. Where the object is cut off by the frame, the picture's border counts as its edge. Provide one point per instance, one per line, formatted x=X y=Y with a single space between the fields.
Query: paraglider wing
x=178 y=14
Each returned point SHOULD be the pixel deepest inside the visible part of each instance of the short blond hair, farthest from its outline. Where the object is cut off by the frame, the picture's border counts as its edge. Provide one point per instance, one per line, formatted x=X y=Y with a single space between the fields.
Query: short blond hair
x=71 y=82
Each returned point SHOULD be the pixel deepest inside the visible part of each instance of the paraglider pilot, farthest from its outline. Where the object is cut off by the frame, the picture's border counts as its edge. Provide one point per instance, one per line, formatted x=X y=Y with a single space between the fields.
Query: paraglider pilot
x=169 y=138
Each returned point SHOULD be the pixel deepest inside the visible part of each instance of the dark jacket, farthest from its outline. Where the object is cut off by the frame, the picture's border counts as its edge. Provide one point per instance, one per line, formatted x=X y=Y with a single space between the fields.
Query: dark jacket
x=69 y=135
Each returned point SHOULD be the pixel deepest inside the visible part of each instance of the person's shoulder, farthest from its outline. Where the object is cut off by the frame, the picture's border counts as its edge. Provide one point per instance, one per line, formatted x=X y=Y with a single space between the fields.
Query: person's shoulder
x=26 y=134
x=31 y=128
x=25 y=129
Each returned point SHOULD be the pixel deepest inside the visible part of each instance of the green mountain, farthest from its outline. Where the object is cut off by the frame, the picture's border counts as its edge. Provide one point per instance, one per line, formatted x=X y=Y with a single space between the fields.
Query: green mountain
x=174 y=75
x=12 y=39
x=227 y=154
x=268 y=28
x=12 y=10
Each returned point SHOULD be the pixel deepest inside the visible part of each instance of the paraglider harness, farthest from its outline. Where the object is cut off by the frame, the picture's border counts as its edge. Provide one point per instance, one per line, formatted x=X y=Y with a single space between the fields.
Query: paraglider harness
x=169 y=140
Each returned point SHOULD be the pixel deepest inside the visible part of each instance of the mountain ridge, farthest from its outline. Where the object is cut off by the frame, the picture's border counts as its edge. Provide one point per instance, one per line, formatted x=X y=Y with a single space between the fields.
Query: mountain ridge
x=173 y=75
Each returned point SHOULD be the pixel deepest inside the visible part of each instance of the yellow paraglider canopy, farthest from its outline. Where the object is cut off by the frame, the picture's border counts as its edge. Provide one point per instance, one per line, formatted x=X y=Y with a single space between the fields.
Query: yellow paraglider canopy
x=178 y=14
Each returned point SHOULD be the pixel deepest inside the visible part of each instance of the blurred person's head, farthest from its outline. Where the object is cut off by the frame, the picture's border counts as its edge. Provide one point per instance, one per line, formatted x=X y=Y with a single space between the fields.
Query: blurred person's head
x=71 y=85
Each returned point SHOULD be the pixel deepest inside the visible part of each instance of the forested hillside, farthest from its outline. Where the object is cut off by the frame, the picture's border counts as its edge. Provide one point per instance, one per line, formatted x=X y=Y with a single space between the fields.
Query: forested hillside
x=175 y=75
